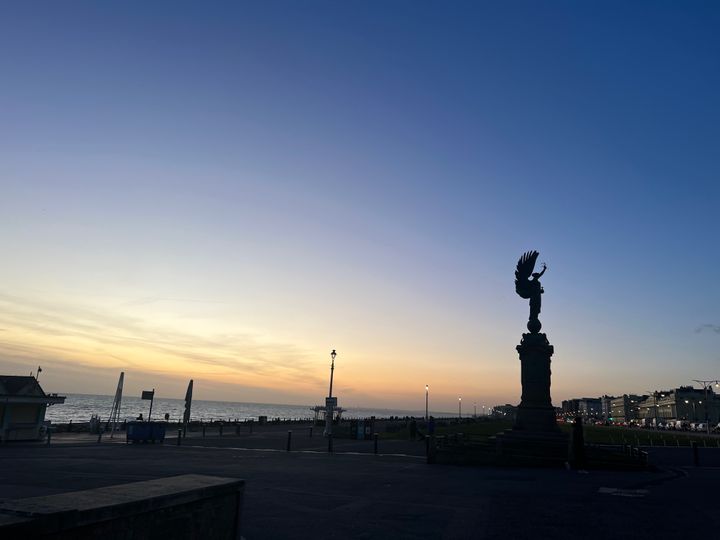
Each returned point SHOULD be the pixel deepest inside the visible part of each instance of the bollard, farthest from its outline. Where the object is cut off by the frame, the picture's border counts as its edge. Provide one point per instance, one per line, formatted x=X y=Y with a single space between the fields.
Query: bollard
x=696 y=456
x=375 y=439
x=330 y=443
x=203 y=431
x=311 y=432
x=289 y=439
x=49 y=434
x=179 y=436
x=99 y=436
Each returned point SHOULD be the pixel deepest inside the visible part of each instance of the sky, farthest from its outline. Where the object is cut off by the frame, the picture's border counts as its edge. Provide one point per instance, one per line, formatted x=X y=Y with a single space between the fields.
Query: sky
x=228 y=191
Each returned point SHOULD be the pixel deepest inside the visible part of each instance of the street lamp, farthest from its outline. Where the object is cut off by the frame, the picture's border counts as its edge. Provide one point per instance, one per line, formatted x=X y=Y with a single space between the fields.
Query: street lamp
x=706 y=385
x=475 y=409
x=333 y=354
x=459 y=407
x=694 y=408
x=329 y=403
x=427 y=389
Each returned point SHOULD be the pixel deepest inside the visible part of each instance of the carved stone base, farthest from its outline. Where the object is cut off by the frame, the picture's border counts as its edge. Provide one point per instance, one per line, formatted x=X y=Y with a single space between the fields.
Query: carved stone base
x=535 y=435
x=536 y=419
x=535 y=412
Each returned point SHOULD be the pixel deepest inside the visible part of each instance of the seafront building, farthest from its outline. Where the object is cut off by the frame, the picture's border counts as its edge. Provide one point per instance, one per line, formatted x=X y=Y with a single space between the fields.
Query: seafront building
x=586 y=407
x=684 y=403
x=22 y=407
x=507 y=411
x=606 y=406
x=625 y=409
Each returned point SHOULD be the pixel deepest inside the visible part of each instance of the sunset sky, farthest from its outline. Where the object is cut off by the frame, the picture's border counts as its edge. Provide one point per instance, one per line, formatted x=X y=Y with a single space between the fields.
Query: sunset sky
x=229 y=191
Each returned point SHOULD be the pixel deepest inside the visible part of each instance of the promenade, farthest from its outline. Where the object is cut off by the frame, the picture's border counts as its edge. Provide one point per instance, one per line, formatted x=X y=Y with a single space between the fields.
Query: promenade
x=353 y=493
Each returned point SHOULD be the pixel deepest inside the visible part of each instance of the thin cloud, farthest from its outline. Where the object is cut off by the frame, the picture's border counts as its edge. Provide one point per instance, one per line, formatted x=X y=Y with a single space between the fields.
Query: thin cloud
x=709 y=327
x=105 y=332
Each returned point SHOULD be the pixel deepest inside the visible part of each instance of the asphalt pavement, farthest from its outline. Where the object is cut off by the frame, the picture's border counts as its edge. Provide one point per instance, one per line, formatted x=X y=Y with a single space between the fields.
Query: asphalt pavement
x=354 y=493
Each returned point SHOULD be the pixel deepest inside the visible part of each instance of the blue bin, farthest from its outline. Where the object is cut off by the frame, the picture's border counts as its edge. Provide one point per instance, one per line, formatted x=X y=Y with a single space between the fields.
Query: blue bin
x=145 y=432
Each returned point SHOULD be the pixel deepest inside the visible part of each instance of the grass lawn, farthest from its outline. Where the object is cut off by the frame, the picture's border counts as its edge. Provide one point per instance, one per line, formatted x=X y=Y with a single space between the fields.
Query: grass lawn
x=482 y=429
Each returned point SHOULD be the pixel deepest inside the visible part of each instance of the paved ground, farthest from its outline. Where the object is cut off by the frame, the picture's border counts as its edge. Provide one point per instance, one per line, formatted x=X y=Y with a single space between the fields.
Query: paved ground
x=310 y=494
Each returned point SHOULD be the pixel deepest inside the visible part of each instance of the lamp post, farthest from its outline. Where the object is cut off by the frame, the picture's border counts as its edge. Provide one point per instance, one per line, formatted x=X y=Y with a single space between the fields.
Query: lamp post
x=329 y=401
x=427 y=390
x=706 y=385
x=459 y=407
x=694 y=416
x=333 y=354
x=475 y=409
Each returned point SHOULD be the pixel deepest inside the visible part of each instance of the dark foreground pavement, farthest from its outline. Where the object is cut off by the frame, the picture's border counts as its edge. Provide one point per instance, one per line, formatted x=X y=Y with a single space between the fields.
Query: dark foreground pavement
x=310 y=494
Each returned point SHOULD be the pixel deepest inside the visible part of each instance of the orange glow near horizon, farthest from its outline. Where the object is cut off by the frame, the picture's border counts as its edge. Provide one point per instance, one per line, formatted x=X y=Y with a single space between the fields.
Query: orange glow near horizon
x=91 y=341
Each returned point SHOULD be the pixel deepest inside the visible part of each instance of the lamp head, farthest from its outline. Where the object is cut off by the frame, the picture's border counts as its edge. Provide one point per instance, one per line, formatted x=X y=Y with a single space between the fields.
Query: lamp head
x=333 y=354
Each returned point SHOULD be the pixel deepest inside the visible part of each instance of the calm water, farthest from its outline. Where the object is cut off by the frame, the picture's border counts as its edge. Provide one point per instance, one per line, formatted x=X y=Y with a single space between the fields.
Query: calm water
x=80 y=407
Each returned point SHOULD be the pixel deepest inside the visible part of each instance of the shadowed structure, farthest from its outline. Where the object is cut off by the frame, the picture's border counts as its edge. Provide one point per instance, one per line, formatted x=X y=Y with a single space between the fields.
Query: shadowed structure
x=535 y=433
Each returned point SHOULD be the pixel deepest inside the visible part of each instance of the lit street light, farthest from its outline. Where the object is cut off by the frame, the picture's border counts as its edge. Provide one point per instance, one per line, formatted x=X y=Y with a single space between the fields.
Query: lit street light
x=708 y=385
x=459 y=407
x=329 y=403
x=694 y=417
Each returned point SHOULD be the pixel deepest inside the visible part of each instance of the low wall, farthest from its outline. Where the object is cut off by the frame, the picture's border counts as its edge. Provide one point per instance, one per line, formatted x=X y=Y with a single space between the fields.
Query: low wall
x=178 y=507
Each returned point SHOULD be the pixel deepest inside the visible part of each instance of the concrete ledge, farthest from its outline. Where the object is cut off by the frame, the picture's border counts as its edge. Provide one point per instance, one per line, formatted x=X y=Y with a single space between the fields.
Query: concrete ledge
x=187 y=506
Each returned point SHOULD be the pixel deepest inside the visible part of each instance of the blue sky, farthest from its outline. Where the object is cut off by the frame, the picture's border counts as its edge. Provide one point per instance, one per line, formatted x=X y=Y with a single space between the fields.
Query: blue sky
x=265 y=182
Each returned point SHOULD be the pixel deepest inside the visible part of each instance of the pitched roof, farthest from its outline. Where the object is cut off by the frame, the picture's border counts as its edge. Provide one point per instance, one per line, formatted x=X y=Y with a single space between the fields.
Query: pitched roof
x=17 y=385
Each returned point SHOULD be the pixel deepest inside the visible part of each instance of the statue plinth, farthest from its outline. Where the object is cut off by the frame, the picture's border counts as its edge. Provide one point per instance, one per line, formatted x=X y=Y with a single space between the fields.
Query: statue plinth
x=535 y=412
x=535 y=436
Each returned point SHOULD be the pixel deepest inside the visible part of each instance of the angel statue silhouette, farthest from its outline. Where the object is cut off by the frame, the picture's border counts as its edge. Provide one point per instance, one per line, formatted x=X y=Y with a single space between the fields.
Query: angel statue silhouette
x=527 y=285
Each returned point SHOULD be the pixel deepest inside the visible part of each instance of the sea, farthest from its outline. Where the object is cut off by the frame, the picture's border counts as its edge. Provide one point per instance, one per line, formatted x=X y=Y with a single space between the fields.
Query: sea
x=80 y=408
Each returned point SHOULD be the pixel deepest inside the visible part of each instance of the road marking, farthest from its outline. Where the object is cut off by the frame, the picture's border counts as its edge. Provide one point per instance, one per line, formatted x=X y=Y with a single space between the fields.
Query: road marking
x=619 y=492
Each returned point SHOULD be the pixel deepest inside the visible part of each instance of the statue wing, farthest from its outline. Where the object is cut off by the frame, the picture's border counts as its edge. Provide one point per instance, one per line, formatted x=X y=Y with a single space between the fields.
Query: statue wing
x=525 y=267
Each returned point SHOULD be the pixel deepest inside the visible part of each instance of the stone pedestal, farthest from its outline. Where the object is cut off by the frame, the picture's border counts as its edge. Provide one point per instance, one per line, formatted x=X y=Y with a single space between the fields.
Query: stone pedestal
x=535 y=412
x=535 y=434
